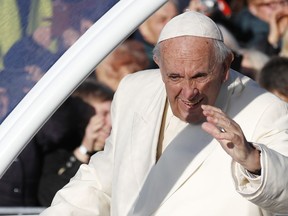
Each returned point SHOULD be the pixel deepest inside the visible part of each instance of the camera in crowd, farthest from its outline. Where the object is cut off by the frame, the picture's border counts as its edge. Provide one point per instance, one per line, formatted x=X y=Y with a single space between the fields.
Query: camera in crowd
x=212 y=6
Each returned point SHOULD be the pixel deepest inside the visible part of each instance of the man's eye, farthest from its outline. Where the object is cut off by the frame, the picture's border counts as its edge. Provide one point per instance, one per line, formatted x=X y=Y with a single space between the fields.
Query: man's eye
x=174 y=77
x=201 y=77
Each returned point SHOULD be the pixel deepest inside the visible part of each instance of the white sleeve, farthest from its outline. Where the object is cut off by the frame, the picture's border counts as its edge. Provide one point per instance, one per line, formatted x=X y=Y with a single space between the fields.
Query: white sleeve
x=270 y=190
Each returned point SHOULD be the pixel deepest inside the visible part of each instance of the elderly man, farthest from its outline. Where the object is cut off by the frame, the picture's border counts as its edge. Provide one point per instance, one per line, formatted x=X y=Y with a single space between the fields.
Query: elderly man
x=193 y=138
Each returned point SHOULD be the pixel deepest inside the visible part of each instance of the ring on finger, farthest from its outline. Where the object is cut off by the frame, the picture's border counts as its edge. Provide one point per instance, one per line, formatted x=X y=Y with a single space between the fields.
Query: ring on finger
x=222 y=130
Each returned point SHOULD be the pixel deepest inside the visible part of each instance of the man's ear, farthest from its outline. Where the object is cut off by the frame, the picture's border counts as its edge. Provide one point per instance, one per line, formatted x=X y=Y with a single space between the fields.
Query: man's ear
x=226 y=75
x=156 y=60
x=227 y=65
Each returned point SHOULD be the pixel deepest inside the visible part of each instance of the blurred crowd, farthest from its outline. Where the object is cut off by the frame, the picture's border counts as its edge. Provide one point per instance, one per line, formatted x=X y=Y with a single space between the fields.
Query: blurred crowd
x=35 y=33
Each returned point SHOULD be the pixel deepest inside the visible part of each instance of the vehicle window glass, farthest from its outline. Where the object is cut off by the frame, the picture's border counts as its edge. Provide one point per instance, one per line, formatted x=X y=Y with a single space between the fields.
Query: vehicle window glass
x=34 y=34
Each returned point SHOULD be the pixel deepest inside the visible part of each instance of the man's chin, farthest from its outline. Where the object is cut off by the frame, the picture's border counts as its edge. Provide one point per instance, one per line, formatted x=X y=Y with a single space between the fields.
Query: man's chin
x=195 y=119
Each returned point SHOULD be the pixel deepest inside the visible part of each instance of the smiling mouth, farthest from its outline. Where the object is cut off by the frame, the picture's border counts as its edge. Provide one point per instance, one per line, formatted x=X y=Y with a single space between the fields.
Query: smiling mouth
x=192 y=104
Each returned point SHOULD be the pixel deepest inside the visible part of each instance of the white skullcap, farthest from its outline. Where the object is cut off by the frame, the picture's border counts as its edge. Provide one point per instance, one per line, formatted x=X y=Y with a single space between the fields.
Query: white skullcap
x=191 y=23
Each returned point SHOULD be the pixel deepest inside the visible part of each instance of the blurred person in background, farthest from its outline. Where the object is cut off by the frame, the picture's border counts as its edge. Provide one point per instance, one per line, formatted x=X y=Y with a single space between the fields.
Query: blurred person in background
x=72 y=18
x=19 y=184
x=215 y=9
x=252 y=62
x=274 y=77
x=32 y=51
x=61 y=164
x=17 y=83
x=20 y=18
x=99 y=96
x=25 y=63
x=127 y=58
x=149 y=31
x=261 y=24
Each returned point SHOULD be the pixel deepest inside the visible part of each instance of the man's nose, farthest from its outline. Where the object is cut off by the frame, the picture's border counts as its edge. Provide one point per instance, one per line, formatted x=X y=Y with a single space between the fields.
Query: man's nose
x=189 y=90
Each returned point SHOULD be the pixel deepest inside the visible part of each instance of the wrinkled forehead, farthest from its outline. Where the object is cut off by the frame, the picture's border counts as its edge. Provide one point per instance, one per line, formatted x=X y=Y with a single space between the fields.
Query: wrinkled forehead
x=187 y=49
x=186 y=44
